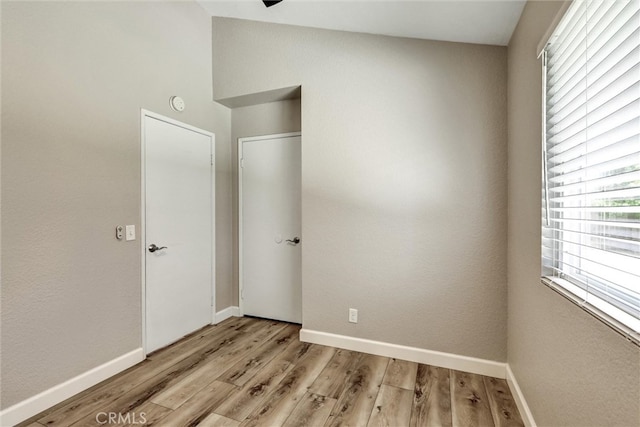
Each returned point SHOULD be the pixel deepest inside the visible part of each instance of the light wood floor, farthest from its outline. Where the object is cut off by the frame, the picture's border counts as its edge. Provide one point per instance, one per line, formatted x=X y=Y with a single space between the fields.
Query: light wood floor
x=254 y=372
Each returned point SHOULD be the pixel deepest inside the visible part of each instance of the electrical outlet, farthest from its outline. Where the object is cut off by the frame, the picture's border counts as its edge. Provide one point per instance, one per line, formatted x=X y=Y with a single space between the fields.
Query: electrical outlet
x=353 y=315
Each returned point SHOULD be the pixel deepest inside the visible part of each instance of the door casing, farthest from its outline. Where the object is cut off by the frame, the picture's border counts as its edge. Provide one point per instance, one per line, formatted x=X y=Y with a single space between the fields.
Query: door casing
x=143 y=250
x=240 y=215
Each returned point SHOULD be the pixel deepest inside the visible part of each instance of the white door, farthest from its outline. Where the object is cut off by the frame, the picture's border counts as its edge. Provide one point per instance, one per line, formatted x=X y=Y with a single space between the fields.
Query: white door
x=270 y=169
x=179 y=223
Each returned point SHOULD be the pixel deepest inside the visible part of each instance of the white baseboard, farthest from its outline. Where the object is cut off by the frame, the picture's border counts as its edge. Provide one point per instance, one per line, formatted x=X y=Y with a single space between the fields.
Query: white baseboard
x=523 y=407
x=48 y=398
x=233 y=311
x=413 y=354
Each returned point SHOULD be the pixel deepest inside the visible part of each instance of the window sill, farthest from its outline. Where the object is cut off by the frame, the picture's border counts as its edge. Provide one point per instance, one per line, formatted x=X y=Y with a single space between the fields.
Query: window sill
x=564 y=288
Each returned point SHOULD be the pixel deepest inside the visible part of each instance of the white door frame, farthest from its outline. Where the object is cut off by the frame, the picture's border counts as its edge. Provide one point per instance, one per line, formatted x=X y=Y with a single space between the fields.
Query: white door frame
x=143 y=229
x=240 y=234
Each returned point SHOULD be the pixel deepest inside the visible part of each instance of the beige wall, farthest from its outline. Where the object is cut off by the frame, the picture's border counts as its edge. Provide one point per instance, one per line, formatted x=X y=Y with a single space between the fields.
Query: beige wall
x=403 y=176
x=573 y=370
x=255 y=120
x=74 y=77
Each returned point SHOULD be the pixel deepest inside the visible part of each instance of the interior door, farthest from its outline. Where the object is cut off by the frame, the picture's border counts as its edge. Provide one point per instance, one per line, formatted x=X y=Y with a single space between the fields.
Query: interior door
x=179 y=230
x=270 y=179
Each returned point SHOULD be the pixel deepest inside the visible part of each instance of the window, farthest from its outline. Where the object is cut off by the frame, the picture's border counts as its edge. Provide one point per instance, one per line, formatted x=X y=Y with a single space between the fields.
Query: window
x=591 y=161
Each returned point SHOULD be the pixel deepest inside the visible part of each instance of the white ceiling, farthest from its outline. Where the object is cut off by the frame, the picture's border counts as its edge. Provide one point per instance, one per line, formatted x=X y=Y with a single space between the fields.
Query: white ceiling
x=470 y=21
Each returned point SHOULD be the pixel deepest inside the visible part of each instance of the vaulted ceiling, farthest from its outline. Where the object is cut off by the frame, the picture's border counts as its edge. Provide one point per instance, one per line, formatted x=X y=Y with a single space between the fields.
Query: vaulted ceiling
x=470 y=21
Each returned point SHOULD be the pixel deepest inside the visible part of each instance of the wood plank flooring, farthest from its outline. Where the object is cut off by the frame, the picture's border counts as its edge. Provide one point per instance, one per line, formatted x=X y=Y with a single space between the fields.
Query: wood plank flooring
x=255 y=372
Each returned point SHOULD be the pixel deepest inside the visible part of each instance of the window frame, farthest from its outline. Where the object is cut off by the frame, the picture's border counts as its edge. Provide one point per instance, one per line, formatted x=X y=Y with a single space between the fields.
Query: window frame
x=572 y=289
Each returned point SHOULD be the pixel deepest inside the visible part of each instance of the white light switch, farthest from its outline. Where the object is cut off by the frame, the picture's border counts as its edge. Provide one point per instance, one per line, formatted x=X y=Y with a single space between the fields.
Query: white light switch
x=131 y=232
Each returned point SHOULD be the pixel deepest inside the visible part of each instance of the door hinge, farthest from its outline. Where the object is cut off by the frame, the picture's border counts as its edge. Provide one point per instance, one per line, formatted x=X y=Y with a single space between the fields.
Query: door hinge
x=212 y=160
x=242 y=162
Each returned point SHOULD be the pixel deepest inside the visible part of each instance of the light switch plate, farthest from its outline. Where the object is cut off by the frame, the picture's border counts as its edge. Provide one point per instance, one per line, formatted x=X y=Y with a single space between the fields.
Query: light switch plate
x=131 y=232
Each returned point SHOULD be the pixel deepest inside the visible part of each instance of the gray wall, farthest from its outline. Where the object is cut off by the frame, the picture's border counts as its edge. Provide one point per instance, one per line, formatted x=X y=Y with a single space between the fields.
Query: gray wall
x=74 y=77
x=255 y=120
x=403 y=179
x=572 y=369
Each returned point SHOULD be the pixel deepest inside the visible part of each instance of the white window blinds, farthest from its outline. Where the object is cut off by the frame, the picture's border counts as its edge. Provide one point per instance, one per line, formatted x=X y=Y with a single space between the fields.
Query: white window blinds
x=591 y=188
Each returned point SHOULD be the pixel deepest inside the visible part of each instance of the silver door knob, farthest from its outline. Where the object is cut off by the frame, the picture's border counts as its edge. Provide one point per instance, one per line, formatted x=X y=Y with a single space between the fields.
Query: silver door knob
x=153 y=247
